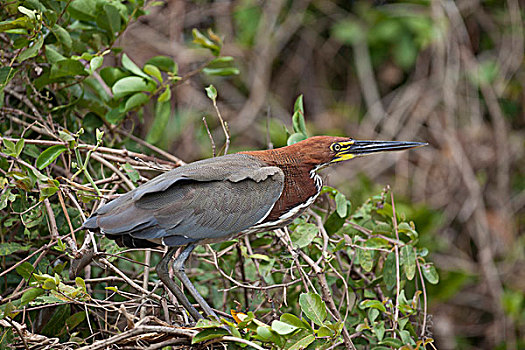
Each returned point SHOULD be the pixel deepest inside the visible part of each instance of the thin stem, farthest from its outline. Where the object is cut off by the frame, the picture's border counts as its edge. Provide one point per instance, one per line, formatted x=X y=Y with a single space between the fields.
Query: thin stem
x=423 y=327
x=398 y=277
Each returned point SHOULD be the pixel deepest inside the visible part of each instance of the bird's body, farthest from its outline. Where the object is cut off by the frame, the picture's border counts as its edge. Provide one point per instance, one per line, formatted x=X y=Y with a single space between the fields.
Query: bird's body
x=216 y=199
x=213 y=199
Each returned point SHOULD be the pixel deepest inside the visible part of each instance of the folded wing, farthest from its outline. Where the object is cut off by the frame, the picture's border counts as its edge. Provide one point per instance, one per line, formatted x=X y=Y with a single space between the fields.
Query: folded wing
x=209 y=199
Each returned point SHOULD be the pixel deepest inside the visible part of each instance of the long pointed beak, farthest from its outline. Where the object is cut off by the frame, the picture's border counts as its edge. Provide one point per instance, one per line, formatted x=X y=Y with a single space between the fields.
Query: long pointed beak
x=361 y=148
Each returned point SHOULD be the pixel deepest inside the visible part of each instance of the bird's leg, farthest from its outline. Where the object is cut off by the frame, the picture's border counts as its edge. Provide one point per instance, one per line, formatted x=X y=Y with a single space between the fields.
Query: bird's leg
x=178 y=270
x=163 y=273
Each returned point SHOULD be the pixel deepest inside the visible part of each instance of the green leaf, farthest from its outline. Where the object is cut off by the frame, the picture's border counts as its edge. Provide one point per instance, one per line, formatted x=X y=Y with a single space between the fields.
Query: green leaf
x=31 y=151
x=396 y=343
x=409 y=261
x=6 y=74
x=32 y=51
x=348 y=32
x=80 y=283
x=67 y=67
x=6 y=197
x=83 y=10
x=131 y=172
x=13 y=149
x=294 y=138
x=96 y=63
x=115 y=115
x=405 y=51
x=211 y=92
x=376 y=304
x=209 y=333
x=372 y=314
x=379 y=330
x=302 y=343
x=295 y=321
x=165 y=96
x=324 y=331
x=9 y=147
x=62 y=36
x=298 y=123
x=29 y=13
x=205 y=323
x=260 y=257
x=136 y=100
x=485 y=73
x=20 y=23
x=341 y=205
x=313 y=307
x=405 y=228
x=99 y=134
x=283 y=328
x=75 y=319
x=10 y=248
x=402 y=322
x=164 y=63
x=49 y=155
x=109 y=19
x=65 y=136
x=162 y=117
x=47 y=191
x=31 y=295
x=366 y=259
x=129 y=85
x=6 y=310
x=389 y=271
x=512 y=301
x=25 y=270
x=223 y=72
x=132 y=67
x=111 y=74
x=57 y=322
x=266 y=334
x=303 y=235
x=49 y=284
x=222 y=60
x=377 y=242
x=153 y=71
x=333 y=223
x=406 y=338
x=299 y=107
x=203 y=41
x=430 y=273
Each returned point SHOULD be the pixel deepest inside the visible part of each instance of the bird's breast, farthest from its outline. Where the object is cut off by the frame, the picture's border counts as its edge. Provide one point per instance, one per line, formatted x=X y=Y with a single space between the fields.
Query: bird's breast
x=301 y=189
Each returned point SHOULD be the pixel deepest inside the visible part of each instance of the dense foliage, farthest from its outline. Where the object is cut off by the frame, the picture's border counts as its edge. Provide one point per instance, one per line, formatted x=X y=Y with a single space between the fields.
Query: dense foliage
x=90 y=99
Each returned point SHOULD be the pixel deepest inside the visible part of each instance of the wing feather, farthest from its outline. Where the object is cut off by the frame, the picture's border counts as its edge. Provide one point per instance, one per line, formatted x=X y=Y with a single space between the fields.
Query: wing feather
x=209 y=199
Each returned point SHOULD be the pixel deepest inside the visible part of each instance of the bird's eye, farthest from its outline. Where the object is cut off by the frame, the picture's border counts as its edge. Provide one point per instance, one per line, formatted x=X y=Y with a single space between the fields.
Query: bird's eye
x=336 y=147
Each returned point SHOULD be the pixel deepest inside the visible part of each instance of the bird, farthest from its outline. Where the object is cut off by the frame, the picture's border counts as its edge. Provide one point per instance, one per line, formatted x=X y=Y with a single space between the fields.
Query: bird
x=224 y=197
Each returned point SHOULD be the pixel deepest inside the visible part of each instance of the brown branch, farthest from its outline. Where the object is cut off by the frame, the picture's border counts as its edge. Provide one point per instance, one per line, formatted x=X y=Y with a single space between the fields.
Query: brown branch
x=106 y=343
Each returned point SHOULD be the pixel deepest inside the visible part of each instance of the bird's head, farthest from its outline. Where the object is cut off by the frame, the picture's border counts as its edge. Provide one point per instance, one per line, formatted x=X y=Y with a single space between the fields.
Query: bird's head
x=322 y=151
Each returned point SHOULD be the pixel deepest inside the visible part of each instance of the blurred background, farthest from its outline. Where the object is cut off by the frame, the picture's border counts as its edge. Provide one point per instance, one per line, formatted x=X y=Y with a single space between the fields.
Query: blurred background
x=446 y=72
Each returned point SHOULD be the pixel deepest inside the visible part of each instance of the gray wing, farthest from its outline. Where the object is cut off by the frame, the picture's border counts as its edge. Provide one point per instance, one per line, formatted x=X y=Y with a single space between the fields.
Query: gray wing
x=209 y=199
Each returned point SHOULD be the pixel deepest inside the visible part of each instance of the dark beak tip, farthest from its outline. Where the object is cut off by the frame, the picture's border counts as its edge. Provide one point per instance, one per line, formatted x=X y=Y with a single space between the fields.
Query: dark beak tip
x=367 y=147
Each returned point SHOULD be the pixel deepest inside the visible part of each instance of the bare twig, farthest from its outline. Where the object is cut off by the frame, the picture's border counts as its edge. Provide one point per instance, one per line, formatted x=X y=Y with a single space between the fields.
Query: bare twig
x=398 y=274
x=210 y=136
x=104 y=344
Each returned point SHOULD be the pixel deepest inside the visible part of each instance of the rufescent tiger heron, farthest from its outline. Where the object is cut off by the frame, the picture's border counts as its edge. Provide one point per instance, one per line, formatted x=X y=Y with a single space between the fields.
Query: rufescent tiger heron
x=221 y=198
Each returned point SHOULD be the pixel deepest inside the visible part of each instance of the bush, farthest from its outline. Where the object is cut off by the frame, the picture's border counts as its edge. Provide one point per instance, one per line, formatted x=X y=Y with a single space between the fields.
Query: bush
x=340 y=274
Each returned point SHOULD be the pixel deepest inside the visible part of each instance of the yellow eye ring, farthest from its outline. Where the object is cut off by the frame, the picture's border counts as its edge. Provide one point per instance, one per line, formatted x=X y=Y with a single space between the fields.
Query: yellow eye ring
x=336 y=147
